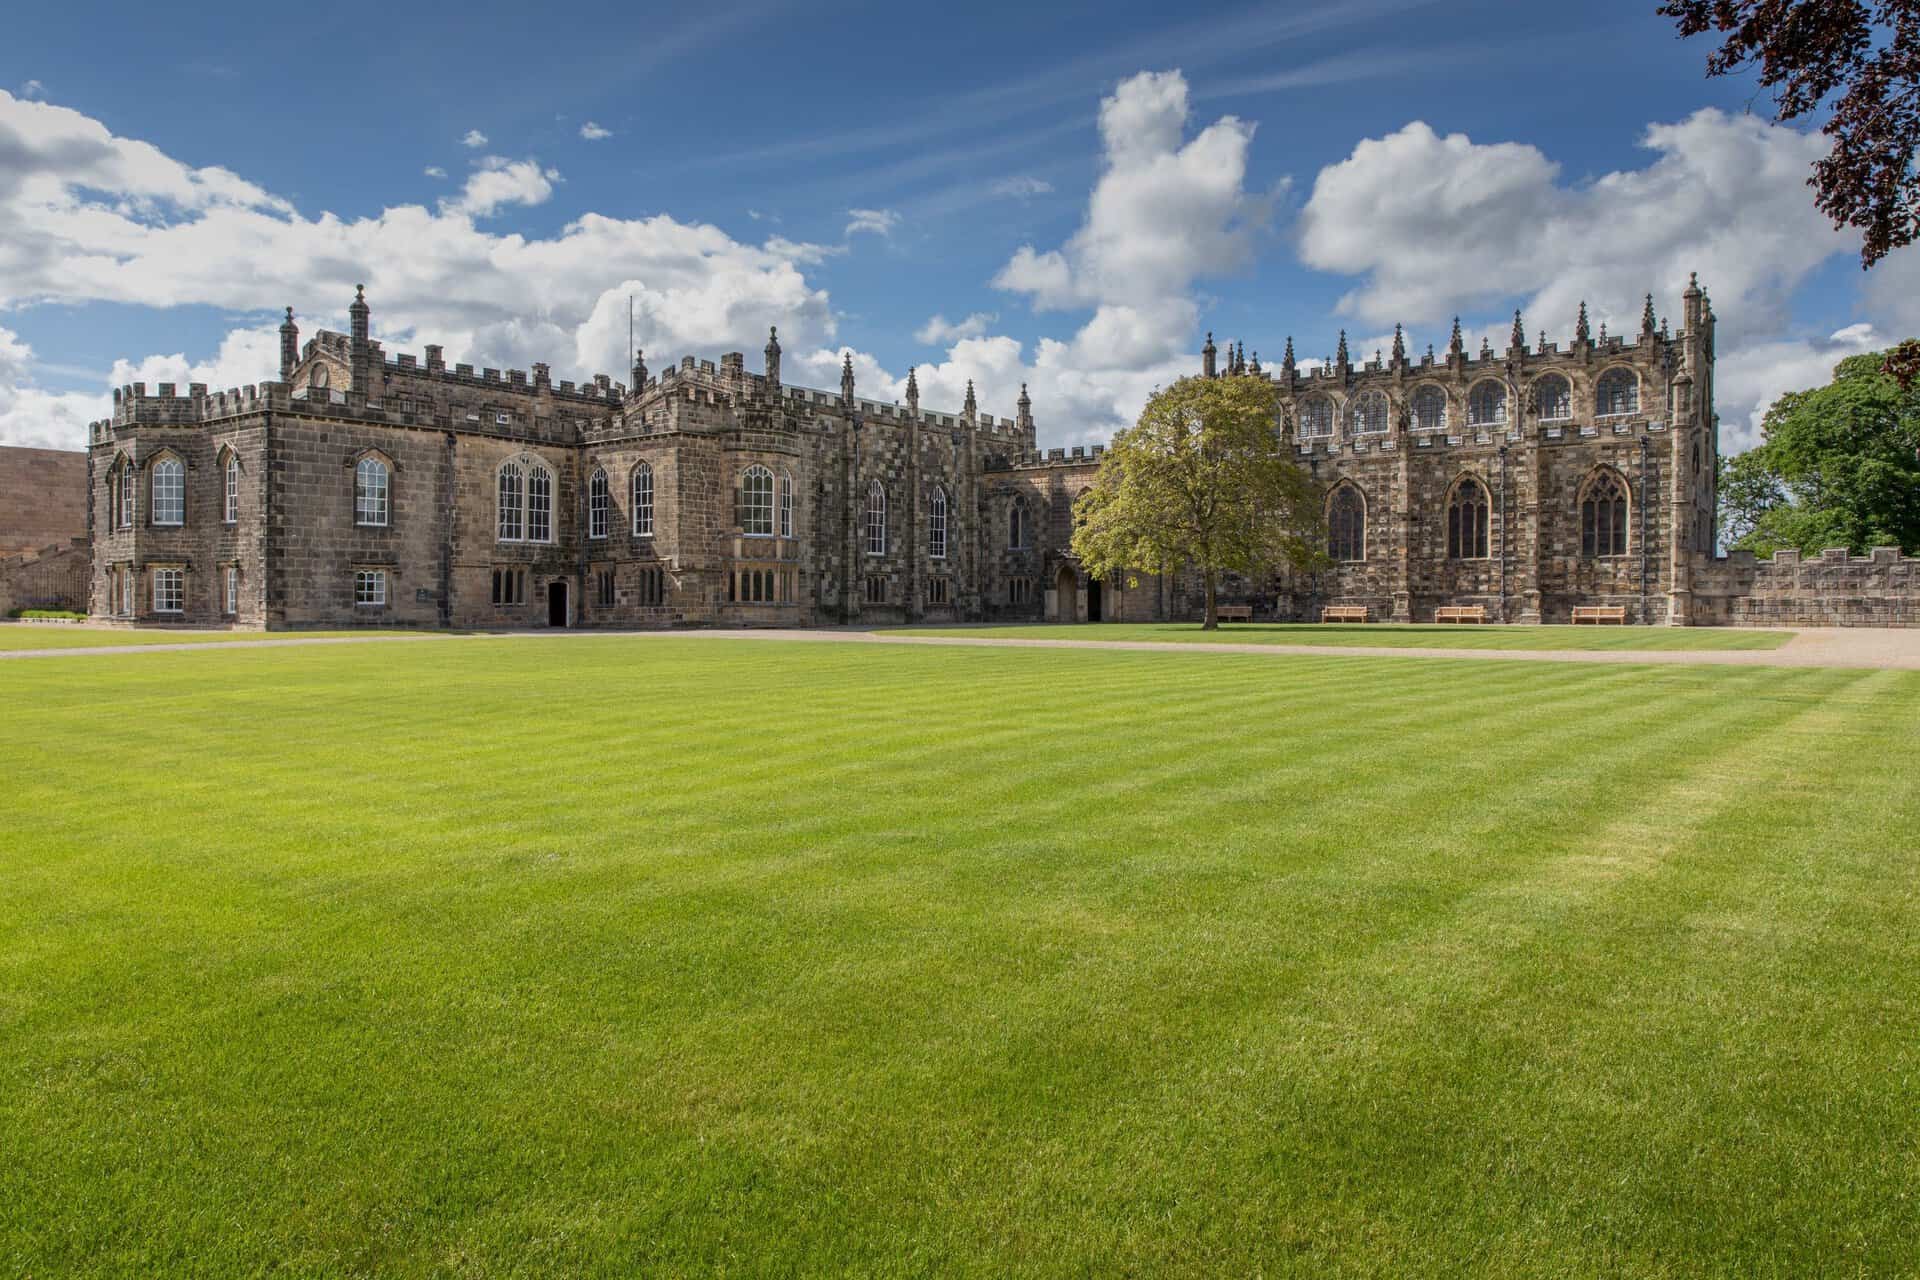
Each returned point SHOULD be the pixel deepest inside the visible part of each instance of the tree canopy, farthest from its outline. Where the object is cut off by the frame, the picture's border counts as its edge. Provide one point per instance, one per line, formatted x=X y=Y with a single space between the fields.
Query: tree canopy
x=1202 y=479
x=1839 y=466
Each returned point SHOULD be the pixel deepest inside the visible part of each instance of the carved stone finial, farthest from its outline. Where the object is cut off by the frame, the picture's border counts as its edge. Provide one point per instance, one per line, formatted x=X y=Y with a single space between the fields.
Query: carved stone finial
x=969 y=406
x=1340 y=352
x=1399 y=345
x=1457 y=346
x=1582 y=332
x=1646 y=319
x=1519 y=340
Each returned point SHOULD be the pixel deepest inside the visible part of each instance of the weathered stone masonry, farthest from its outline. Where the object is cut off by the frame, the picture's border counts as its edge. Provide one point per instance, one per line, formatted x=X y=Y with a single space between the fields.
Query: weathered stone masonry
x=359 y=490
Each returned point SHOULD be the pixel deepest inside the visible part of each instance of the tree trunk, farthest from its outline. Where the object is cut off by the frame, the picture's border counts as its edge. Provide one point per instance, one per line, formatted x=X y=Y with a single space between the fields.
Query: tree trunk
x=1212 y=622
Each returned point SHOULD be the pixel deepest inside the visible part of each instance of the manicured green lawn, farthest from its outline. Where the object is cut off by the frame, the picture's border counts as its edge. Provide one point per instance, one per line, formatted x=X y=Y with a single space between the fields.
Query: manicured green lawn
x=1386 y=635
x=661 y=957
x=21 y=635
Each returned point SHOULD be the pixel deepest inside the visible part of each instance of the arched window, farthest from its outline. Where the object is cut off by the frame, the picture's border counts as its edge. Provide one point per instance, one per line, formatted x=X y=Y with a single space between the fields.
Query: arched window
x=1487 y=405
x=643 y=500
x=599 y=504
x=756 y=502
x=1347 y=524
x=1553 y=398
x=539 y=504
x=317 y=378
x=1603 y=515
x=1316 y=418
x=512 y=505
x=1429 y=409
x=230 y=501
x=786 y=504
x=937 y=524
x=126 y=494
x=876 y=519
x=1017 y=526
x=1468 y=517
x=1617 y=392
x=168 y=501
x=370 y=492
x=1369 y=412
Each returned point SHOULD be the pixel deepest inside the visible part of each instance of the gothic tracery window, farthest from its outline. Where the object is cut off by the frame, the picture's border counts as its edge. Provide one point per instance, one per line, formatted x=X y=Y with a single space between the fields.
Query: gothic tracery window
x=1469 y=515
x=1603 y=515
x=1017 y=525
x=756 y=502
x=643 y=500
x=1347 y=524
x=1553 y=398
x=168 y=501
x=876 y=519
x=1617 y=392
x=1316 y=418
x=599 y=504
x=937 y=524
x=370 y=492
x=1369 y=412
x=1487 y=405
x=1429 y=409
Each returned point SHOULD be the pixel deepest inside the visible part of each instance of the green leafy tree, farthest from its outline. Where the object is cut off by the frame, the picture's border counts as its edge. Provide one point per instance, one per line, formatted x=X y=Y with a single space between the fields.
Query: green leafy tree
x=1203 y=480
x=1839 y=466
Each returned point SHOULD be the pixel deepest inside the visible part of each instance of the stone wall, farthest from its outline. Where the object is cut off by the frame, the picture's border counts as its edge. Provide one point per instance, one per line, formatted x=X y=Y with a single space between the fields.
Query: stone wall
x=42 y=498
x=1838 y=589
x=50 y=578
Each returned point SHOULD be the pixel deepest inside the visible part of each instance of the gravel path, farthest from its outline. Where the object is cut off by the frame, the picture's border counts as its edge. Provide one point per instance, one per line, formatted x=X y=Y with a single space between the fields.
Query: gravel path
x=1858 y=647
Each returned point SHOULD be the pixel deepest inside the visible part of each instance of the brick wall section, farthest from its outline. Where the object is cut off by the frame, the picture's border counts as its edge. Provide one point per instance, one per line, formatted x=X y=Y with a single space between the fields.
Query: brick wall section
x=43 y=498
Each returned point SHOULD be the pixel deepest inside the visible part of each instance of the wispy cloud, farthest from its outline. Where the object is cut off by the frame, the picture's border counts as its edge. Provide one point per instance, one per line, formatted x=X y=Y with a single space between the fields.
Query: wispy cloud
x=33 y=89
x=938 y=331
x=880 y=222
x=474 y=138
x=1020 y=187
x=593 y=132
x=434 y=171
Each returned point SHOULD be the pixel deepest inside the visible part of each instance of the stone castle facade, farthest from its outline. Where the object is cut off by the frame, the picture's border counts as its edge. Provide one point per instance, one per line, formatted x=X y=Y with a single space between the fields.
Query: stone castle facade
x=363 y=490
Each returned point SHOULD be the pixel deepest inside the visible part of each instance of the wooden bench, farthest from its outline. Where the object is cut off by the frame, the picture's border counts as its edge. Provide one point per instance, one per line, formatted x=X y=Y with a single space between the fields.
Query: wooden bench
x=1344 y=613
x=1233 y=612
x=1599 y=613
x=1460 y=613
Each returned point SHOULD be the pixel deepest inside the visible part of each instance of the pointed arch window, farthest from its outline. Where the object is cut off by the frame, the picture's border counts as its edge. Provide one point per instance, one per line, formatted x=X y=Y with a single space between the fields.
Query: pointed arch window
x=1429 y=409
x=1469 y=516
x=120 y=493
x=1603 y=515
x=1017 y=525
x=168 y=501
x=230 y=492
x=643 y=500
x=786 y=504
x=1553 y=399
x=1369 y=412
x=599 y=504
x=876 y=519
x=937 y=524
x=1487 y=405
x=1617 y=393
x=1347 y=524
x=1316 y=418
x=371 y=493
x=539 y=504
x=512 y=503
x=756 y=502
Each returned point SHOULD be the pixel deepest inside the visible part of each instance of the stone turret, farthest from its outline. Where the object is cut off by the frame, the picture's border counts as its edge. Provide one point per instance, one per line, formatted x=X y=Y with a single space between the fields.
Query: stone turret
x=1207 y=354
x=969 y=408
x=289 y=346
x=639 y=371
x=773 y=359
x=1026 y=410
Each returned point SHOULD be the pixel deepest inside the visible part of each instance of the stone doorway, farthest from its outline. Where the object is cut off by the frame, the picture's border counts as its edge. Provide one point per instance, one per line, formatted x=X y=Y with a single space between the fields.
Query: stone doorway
x=557 y=604
x=1066 y=594
x=1093 y=600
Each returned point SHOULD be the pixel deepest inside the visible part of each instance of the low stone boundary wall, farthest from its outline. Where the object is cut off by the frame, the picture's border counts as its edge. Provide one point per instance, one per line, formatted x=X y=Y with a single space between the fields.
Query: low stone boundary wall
x=1835 y=589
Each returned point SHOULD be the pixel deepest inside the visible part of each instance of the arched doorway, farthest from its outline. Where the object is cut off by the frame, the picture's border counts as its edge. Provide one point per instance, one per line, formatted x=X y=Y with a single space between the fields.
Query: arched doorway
x=1066 y=593
x=1093 y=599
x=557 y=604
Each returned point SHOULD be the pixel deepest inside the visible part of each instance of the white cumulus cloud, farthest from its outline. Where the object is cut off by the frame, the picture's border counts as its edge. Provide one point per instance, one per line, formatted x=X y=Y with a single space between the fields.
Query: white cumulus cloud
x=473 y=138
x=939 y=331
x=593 y=132
x=499 y=182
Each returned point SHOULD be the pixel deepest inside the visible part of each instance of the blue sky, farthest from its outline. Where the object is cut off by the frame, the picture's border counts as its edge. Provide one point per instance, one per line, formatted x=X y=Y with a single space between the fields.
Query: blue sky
x=1077 y=192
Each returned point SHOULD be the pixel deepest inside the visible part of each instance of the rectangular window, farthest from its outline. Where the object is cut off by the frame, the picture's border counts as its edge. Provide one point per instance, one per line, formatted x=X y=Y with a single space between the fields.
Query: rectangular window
x=603 y=589
x=169 y=492
x=756 y=503
x=876 y=590
x=232 y=593
x=653 y=587
x=1019 y=590
x=786 y=505
x=937 y=591
x=539 y=505
x=370 y=588
x=126 y=499
x=126 y=590
x=599 y=503
x=232 y=511
x=169 y=590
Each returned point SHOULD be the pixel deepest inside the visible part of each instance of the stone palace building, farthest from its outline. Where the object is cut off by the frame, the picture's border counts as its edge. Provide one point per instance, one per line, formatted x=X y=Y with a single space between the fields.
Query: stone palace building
x=363 y=490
